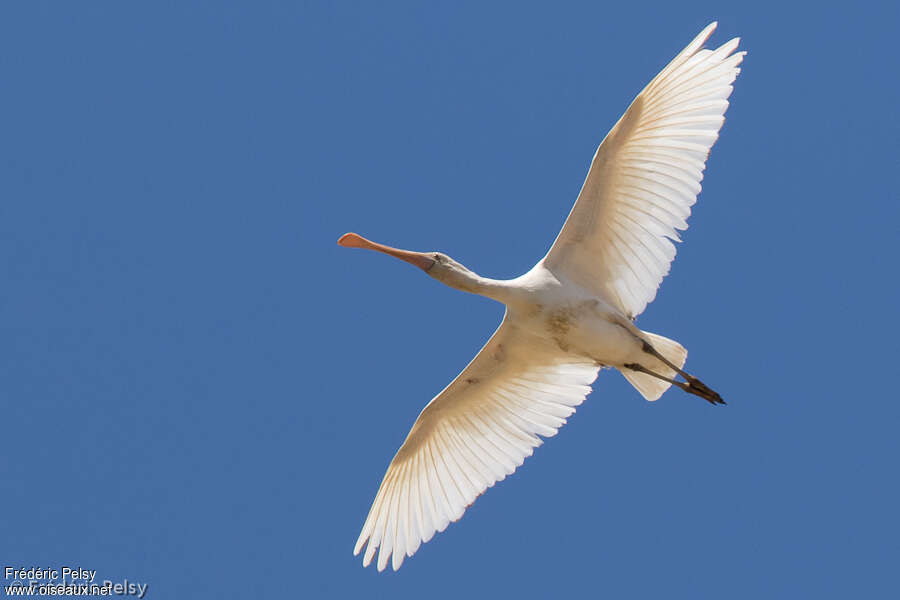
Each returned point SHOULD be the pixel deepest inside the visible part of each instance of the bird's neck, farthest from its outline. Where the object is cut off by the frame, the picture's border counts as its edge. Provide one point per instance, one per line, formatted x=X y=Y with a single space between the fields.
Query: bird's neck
x=496 y=289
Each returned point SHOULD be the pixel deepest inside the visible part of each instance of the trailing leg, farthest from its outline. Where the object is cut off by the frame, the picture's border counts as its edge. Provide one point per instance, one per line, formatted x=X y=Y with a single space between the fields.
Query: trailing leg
x=693 y=385
x=664 y=361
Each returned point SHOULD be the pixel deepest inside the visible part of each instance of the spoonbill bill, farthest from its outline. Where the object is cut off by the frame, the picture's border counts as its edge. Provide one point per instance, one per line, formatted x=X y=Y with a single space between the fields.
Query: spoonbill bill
x=569 y=316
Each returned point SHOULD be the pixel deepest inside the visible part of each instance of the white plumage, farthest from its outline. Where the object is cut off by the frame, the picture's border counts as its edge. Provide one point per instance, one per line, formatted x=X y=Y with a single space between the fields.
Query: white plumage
x=473 y=434
x=645 y=177
x=569 y=316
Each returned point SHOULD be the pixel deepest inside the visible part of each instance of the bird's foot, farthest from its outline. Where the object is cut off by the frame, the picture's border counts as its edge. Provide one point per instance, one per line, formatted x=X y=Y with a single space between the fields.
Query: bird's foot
x=698 y=388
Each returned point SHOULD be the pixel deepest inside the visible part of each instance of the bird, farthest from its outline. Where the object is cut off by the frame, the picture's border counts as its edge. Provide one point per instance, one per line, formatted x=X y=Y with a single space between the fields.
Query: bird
x=568 y=317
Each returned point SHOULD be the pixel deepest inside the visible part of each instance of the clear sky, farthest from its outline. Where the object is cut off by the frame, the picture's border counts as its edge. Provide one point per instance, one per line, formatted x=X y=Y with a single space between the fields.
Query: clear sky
x=201 y=391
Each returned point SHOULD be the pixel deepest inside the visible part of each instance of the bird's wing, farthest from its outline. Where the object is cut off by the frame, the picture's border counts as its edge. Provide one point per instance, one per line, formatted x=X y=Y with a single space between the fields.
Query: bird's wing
x=644 y=178
x=471 y=435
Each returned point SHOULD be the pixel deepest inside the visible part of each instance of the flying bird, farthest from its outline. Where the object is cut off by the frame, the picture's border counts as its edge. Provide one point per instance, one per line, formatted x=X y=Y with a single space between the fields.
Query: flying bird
x=569 y=316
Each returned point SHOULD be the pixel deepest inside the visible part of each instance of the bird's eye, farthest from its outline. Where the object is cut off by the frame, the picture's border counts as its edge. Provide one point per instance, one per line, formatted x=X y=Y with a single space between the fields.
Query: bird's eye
x=437 y=256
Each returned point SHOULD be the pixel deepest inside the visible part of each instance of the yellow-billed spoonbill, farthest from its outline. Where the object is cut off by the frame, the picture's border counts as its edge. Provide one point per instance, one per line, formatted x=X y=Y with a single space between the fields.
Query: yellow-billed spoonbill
x=569 y=316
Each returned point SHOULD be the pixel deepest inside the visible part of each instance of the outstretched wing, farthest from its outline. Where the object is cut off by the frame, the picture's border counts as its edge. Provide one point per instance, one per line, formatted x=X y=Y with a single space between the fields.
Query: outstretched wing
x=471 y=435
x=645 y=176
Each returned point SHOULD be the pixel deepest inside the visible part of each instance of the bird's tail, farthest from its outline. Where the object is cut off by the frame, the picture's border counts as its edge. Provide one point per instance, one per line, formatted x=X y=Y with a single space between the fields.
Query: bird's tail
x=649 y=386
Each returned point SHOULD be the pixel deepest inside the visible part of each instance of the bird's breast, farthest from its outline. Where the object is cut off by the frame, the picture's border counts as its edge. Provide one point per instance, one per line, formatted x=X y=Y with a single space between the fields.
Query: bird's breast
x=585 y=327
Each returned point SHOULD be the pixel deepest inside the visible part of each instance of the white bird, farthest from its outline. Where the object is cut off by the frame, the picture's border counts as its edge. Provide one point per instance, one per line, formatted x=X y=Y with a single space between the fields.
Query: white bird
x=569 y=316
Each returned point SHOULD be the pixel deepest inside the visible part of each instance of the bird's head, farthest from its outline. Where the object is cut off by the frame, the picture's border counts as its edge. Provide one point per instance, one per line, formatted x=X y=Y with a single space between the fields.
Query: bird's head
x=436 y=264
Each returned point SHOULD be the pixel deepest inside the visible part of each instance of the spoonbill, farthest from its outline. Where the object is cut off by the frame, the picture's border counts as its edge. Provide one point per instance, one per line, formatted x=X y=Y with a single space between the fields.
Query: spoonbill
x=569 y=316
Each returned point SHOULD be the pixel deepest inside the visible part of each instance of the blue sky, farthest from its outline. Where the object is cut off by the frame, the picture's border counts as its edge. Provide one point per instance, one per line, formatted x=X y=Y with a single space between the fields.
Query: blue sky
x=201 y=390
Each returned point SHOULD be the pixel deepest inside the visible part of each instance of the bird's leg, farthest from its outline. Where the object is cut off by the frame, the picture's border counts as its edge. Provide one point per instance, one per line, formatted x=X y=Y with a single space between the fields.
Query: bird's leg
x=642 y=369
x=698 y=387
x=649 y=349
x=693 y=385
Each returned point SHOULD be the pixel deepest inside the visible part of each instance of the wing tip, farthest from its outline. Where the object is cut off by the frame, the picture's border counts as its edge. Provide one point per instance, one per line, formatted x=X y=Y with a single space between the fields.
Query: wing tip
x=369 y=555
x=359 y=545
x=383 y=557
x=706 y=32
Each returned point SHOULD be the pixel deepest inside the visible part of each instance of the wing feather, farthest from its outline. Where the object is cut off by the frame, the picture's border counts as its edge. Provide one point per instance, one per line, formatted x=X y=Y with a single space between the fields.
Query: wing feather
x=645 y=177
x=472 y=435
